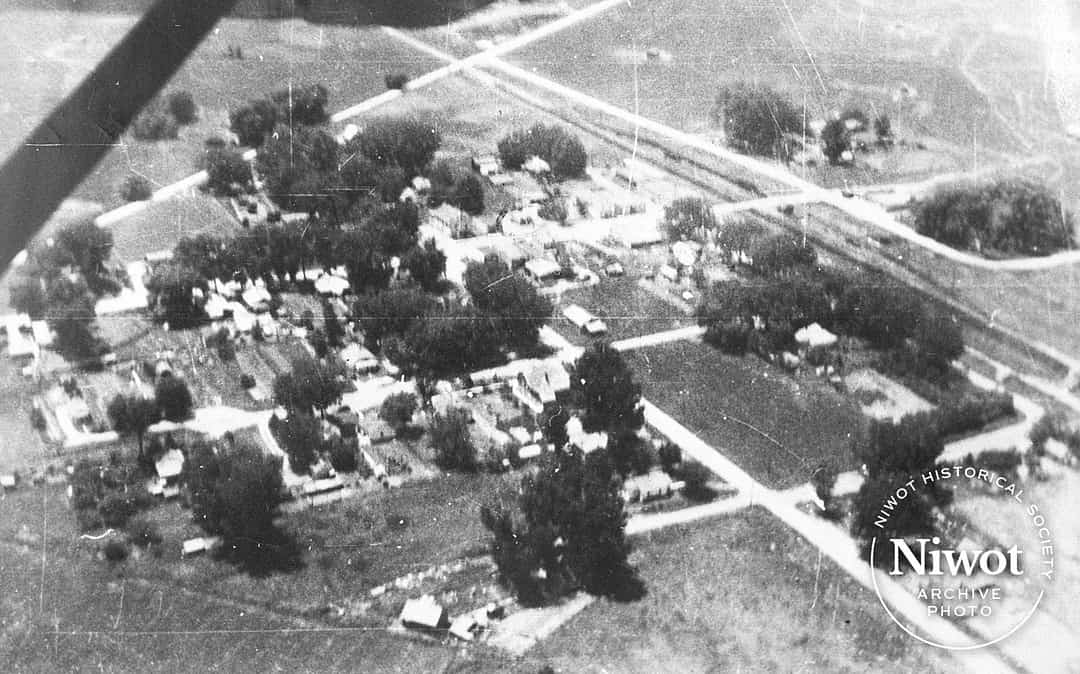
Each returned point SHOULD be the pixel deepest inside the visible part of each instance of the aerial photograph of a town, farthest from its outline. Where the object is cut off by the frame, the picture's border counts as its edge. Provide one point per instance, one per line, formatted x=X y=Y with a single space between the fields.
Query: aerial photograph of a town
x=540 y=336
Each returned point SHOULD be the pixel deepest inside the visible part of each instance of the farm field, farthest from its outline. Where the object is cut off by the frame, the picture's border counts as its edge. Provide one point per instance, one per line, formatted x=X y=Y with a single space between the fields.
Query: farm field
x=776 y=427
x=739 y=593
x=830 y=56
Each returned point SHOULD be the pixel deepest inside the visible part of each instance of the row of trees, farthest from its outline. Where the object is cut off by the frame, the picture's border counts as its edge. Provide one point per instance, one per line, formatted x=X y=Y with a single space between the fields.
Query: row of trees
x=294 y=106
x=162 y=119
x=1011 y=217
x=305 y=391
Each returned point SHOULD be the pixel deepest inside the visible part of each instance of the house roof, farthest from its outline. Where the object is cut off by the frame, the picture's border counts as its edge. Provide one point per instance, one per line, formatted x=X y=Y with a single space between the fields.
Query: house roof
x=814 y=335
x=170 y=464
x=546 y=378
x=536 y=165
x=423 y=612
x=541 y=267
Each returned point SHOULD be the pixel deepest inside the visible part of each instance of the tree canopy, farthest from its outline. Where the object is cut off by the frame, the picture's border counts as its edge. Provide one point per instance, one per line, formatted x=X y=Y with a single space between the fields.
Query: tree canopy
x=1010 y=217
x=688 y=218
x=566 y=530
x=562 y=150
x=309 y=385
x=515 y=305
x=605 y=388
x=174 y=398
x=755 y=118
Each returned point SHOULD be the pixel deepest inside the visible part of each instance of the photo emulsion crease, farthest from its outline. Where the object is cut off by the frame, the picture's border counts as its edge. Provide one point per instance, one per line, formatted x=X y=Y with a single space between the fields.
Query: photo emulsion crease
x=540 y=336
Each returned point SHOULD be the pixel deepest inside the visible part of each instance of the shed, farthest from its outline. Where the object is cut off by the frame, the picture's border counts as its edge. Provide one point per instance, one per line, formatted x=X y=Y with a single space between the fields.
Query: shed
x=256 y=297
x=463 y=627
x=485 y=165
x=656 y=484
x=194 y=546
x=359 y=359
x=43 y=335
x=424 y=613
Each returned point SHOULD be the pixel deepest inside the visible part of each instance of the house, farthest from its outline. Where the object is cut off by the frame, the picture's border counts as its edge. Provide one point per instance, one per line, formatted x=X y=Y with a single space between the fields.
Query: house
x=586 y=442
x=668 y=272
x=19 y=335
x=654 y=485
x=424 y=613
x=346 y=420
x=536 y=166
x=215 y=306
x=539 y=383
x=463 y=627
x=451 y=220
x=358 y=359
x=486 y=165
x=257 y=298
x=542 y=269
x=328 y=284
x=170 y=466
x=43 y=335
x=814 y=336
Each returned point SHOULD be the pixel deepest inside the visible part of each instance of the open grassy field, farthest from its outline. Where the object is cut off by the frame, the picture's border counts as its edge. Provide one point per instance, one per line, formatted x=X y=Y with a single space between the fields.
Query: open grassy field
x=828 y=55
x=741 y=593
x=65 y=610
x=776 y=427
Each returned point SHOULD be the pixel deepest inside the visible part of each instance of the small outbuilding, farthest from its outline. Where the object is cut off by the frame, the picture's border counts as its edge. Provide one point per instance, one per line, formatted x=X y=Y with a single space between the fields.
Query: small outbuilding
x=424 y=613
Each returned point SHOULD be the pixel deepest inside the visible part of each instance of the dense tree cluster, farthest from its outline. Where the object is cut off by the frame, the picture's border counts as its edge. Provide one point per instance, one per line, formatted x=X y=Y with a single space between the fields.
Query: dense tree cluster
x=562 y=150
x=404 y=142
x=515 y=306
x=310 y=385
x=61 y=282
x=459 y=188
x=1009 y=217
x=236 y=494
x=295 y=106
x=107 y=493
x=566 y=530
x=755 y=118
x=452 y=439
x=133 y=414
x=688 y=218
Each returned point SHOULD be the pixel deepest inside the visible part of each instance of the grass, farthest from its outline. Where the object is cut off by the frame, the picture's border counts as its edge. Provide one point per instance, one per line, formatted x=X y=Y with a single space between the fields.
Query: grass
x=740 y=593
x=349 y=547
x=22 y=445
x=777 y=428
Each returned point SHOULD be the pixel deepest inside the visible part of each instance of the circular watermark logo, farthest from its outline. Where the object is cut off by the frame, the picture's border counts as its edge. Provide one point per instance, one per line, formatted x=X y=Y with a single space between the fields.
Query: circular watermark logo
x=995 y=581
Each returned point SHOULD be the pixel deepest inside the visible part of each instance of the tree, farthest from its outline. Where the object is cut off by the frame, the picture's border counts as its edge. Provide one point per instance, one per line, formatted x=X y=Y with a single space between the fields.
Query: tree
x=670 y=456
x=309 y=384
x=228 y=170
x=469 y=194
x=566 y=530
x=630 y=454
x=366 y=264
x=426 y=265
x=155 y=123
x=174 y=398
x=182 y=107
x=86 y=247
x=883 y=129
x=835 y=140
x=606 y=389
x=517 y=307
x=907 y=447
x=782 y=253
x=308 y=105
x=28 y=296
x=688 y=218
x=553 y=424
x=407 y=143
x=136 y=188
x=453 y=443
x=939 y=340
x=398 y=409
x=910 y=517
x=133 y=414
x=335 y=333
x=301 y=437
x=396 y=80
x=390 y=312
x=755 y=118
x=236 y=494
x=172 y=290
x=71 y=316
x=253 y=122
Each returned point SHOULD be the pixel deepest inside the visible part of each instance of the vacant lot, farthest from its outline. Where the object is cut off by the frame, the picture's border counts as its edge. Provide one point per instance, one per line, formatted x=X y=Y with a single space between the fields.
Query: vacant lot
x=742 y=593
x=776 y=427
